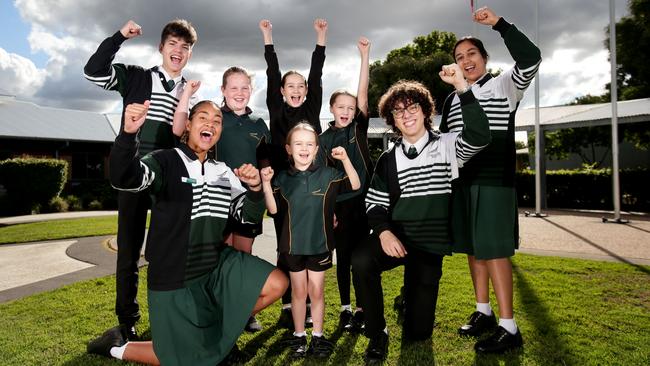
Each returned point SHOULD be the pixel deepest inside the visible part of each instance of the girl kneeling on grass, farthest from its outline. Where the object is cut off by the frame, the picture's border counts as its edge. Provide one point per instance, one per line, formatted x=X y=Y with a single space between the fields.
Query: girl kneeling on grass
x=306 y=195
x=201 y=292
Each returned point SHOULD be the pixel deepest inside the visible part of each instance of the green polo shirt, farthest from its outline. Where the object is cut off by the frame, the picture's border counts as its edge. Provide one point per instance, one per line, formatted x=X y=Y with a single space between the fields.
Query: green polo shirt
x=243 y=139
x=307 y=200
x=354 y=139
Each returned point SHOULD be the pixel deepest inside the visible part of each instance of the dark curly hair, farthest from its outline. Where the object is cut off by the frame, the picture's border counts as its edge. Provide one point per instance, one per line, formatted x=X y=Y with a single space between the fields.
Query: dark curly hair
x=407 y=92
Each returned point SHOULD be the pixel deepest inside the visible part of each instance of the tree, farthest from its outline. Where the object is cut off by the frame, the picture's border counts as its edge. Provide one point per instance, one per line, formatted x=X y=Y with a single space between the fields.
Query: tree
x=418 y=61
x=633 y=51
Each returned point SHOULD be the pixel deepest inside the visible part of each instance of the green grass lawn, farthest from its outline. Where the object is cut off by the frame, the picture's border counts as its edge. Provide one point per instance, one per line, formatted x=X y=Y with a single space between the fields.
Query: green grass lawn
x=571 y=312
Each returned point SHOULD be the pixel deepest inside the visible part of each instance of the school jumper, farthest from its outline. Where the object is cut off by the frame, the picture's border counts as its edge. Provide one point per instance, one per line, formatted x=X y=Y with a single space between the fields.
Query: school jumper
x=410 y=197
x=136 y=85
x=484 y=202
x=201 y=292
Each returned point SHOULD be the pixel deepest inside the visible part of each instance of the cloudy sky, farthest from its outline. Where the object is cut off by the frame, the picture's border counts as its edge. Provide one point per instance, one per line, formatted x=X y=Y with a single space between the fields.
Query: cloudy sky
x=45 y=43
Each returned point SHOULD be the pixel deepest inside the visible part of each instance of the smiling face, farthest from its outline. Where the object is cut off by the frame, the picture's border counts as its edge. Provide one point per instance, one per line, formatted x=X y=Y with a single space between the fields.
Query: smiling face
x=204 y=128
x=471 y=61
x=175 y=53
x=237 y=92
x=409 y=119
x=294 y=89
x=302 y=148
x=343 y=109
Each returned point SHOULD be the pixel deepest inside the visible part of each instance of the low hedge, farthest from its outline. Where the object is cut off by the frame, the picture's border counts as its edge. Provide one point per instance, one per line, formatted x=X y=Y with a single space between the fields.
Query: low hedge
x=30 y=183
x=587 y=189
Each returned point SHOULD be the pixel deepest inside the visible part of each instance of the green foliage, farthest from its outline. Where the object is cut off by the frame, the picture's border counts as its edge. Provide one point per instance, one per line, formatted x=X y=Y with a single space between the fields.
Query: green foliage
x=31 y=183
x=95 y=205
x=418 y=61
x=633 y=51
x=587 y=188
x=584 y=141
x=57 y=204
x=74 y=203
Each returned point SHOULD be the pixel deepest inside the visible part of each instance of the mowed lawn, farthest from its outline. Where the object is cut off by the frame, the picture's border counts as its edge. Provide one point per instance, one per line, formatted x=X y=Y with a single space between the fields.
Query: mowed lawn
x=571 y=312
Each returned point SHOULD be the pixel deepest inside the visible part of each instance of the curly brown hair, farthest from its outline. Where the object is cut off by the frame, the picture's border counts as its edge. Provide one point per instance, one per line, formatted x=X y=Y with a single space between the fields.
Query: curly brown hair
x=406 y=92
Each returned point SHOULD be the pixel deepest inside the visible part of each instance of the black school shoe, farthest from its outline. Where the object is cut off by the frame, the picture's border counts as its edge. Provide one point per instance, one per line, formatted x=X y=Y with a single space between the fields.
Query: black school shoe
x=500 y=341
x=357 y=324
x=345 y=317
x=253 y=325
x=297 y=345
x=377 y=349
x=320 y=347
x=478 y=324
x=114 y=337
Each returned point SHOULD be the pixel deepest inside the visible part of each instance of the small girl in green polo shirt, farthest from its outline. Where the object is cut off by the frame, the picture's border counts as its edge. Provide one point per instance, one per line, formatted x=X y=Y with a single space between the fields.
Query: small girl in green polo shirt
x=306 y=195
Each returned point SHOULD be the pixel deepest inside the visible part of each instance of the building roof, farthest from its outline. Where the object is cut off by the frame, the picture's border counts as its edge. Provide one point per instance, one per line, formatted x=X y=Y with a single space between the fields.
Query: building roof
x=25 y=120
x=584 y=115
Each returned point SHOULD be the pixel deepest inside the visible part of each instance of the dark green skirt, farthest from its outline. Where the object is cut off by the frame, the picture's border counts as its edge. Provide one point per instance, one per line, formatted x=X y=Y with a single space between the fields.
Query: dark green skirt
x=484 y=221
x=200 y=323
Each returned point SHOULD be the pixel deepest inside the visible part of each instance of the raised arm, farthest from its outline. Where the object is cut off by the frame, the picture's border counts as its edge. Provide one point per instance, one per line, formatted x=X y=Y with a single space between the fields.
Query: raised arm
x=127 y=171
x=476 y=127
x=99 y=68
x=362 y=89
x=314 y=99
x=267 y=175
x=339 y=153
x=181 y=114
x=273 y=76
x=526 y=54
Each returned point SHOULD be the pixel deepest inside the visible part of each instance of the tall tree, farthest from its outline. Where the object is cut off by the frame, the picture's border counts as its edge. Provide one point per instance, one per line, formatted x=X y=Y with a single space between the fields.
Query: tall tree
x=420 y=61
x=633 y=51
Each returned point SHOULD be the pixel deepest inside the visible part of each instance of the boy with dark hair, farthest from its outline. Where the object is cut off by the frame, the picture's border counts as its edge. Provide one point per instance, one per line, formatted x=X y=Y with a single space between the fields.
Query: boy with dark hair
x=163 y=86
x=408 y=206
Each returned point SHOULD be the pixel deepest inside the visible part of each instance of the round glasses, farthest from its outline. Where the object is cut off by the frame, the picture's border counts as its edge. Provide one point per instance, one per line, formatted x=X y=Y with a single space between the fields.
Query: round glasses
x=411 y=108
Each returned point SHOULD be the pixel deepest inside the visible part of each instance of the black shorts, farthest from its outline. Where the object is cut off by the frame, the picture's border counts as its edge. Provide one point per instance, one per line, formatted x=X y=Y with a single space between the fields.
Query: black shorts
x=245 y=230
x=297 y=263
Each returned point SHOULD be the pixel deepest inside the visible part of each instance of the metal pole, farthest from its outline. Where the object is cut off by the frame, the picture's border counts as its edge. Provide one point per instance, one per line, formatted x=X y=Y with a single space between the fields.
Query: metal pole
x=538 y=134
x=614 y=94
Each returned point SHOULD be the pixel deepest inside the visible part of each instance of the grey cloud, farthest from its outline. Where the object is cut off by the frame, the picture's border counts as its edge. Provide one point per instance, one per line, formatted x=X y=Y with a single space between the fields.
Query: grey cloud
x=228 y=31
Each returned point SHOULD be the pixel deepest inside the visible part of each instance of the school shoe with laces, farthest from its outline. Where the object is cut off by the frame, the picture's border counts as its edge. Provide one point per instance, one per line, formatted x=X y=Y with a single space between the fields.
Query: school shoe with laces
x=297 y=345
x=114 y=337
x=377 y=349
x=357 y=324
x=478 y=324
x=500 y=341
x=253 y=325
x=320 y=347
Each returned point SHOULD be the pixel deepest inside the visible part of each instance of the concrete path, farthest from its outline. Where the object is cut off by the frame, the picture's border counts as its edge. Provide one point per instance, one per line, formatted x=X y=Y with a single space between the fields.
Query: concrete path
x=31 y=268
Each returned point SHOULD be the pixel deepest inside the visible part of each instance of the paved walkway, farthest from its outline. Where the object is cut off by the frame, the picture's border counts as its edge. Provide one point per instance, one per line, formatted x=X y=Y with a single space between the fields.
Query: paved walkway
x=31 y=268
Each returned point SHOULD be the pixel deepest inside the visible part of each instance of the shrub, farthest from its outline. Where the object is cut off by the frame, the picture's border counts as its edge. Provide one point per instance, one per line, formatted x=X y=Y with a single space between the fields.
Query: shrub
x=95 y=205
x=587 y=189
x=57 y=204
x=31 y=183
x=74 y=203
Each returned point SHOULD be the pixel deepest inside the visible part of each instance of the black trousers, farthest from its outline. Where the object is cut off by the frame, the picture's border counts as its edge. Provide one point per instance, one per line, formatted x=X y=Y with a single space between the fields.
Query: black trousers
x=351 y=230
x=422 y=272
x=131 y=224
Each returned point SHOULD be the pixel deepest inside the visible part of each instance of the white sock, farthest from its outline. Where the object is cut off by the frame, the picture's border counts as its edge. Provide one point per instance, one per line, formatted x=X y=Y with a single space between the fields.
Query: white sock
x=286 y=306
x=484 y=307
x=509 y=325
x=301 y=334
x=317 y=334
x=118 y=352
x=386 y=330
x=347 y=307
